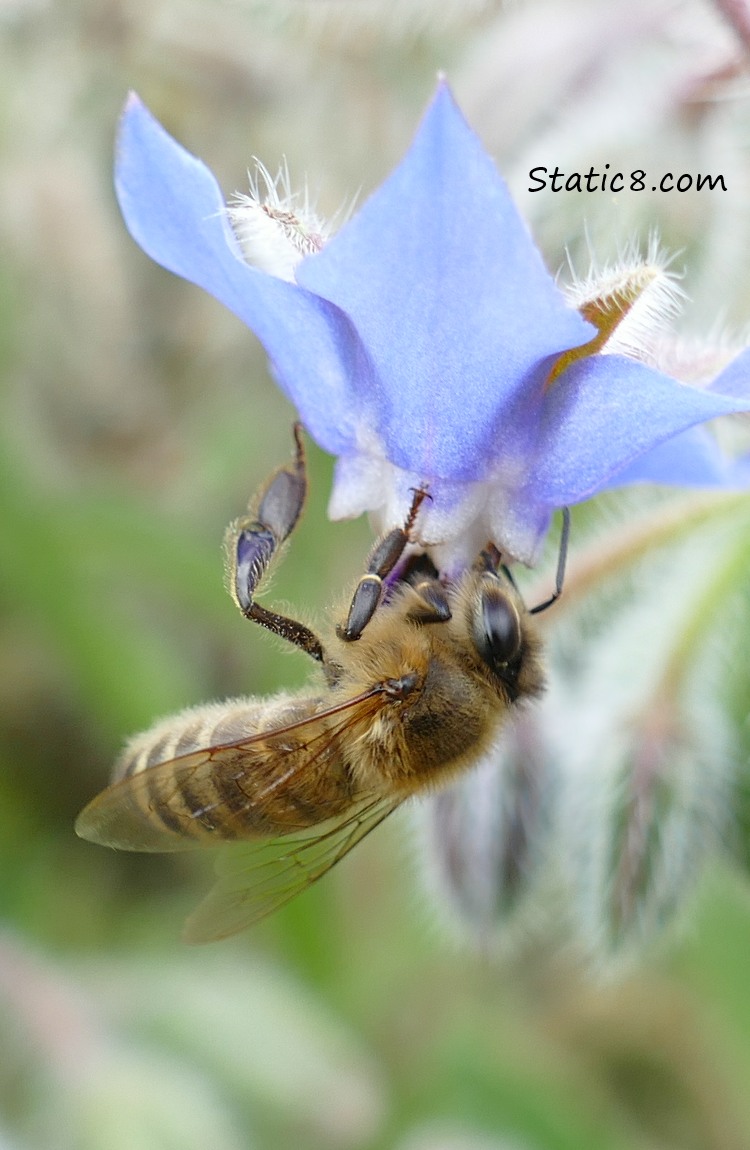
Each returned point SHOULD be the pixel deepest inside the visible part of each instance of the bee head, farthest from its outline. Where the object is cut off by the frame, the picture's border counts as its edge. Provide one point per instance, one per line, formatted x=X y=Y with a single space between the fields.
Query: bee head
x=502 y=634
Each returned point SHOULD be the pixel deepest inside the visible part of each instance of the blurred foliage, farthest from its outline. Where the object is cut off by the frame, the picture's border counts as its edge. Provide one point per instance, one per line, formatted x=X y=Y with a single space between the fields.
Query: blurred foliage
x=137 y=418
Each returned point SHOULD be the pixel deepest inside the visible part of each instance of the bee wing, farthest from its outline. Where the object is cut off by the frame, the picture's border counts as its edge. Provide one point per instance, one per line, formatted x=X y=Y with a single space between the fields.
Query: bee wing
x=256 y=878
x=217 y=793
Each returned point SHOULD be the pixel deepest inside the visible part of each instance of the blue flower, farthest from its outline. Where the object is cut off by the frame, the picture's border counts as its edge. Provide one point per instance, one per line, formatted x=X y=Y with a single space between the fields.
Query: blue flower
x=419 y=343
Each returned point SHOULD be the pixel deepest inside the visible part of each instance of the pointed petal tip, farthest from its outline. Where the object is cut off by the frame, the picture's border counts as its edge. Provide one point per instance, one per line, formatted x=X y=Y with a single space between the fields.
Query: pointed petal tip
x=135 y=116
x=138 y=123
x=133 y=106
x=443 y=99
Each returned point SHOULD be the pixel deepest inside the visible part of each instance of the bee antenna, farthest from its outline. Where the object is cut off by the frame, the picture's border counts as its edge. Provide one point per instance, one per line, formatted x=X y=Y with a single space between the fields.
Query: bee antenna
x=562 y=558
x=509 y=576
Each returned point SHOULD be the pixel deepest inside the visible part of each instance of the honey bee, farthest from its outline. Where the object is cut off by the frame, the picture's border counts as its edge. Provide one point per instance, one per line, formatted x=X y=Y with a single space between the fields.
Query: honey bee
x=411 y=690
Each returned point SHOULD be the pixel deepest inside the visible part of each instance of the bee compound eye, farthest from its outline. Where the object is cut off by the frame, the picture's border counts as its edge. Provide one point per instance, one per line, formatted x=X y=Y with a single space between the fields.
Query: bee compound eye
x=497 y=628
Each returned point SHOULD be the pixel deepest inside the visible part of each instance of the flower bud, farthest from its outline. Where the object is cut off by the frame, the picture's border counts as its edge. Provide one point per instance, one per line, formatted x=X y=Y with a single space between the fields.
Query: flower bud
x=484 y=837
x=648 y=765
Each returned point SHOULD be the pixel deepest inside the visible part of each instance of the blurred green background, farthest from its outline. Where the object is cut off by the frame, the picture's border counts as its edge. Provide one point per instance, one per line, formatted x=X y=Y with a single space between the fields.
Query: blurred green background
x=137 y=418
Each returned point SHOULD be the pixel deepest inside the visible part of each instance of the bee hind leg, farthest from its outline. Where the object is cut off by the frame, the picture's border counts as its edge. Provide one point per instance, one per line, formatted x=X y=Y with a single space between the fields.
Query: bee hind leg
x=252 y=542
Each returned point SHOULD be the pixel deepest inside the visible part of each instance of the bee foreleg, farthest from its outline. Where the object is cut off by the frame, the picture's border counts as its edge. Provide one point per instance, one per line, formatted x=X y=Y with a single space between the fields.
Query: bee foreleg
x=434 y=606
x=381 y=561
x=252 y=542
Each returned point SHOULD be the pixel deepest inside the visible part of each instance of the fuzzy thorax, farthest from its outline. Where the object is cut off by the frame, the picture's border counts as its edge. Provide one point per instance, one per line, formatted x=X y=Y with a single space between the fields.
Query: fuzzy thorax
x=451 y=714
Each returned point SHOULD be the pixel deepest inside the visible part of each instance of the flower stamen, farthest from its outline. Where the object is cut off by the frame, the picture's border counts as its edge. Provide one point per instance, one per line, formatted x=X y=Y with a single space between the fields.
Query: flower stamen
x=276 y=227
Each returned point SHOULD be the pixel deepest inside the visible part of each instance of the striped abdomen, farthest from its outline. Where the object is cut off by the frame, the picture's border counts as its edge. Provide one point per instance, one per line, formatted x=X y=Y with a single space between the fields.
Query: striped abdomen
x=209 y=725
x=233 y=770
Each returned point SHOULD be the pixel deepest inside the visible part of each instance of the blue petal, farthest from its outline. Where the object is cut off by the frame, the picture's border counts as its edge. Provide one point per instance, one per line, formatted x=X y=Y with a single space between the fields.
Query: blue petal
x=691 y=459
x=606 y=411
x=174 y=209
x=735 y=378
x=451 y=298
